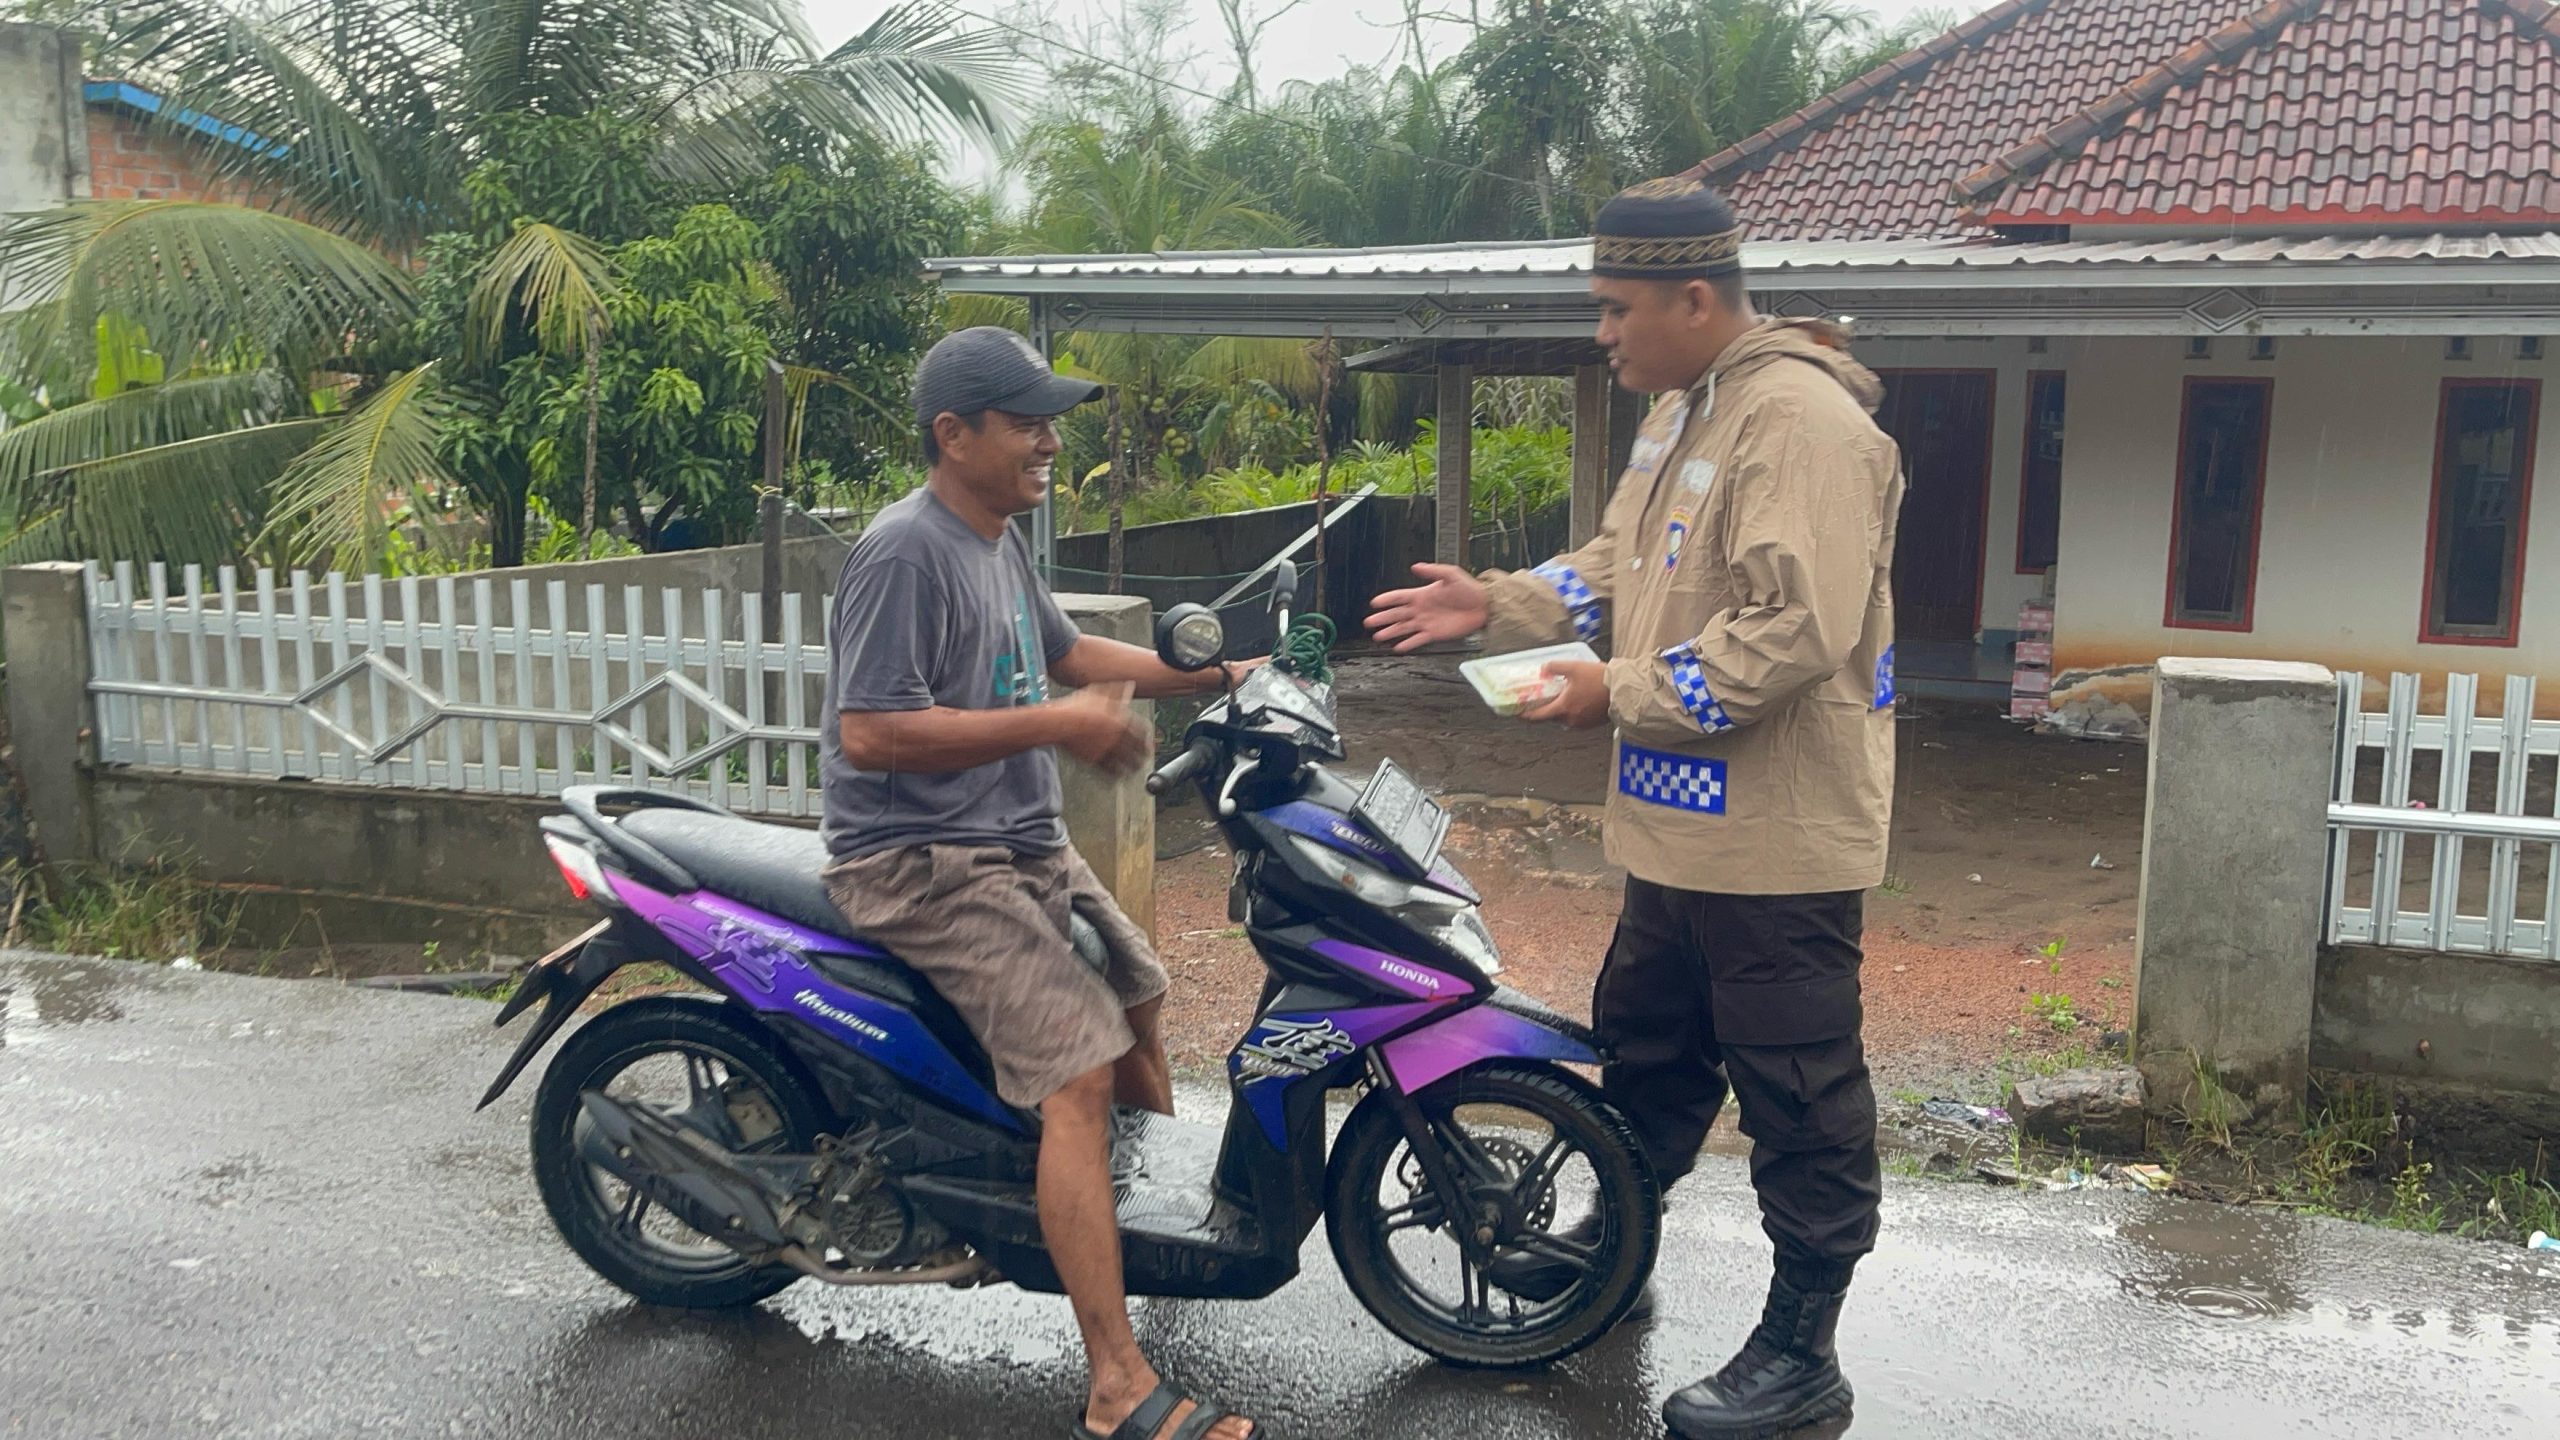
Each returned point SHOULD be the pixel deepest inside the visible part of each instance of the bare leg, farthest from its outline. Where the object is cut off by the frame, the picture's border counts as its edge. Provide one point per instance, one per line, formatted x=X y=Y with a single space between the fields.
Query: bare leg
x=1144 y=1077
x=1083 y=1235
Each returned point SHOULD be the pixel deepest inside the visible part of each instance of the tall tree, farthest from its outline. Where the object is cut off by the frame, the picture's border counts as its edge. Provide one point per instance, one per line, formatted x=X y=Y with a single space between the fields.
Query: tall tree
x=356 y=131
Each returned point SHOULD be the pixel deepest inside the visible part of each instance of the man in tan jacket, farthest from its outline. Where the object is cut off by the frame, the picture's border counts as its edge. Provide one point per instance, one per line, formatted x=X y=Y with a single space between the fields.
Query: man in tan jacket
x=1743 y=577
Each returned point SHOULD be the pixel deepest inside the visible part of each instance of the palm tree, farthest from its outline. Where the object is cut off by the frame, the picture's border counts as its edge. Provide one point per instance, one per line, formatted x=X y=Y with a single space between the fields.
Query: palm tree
x=1703 y=74
x=279 y=321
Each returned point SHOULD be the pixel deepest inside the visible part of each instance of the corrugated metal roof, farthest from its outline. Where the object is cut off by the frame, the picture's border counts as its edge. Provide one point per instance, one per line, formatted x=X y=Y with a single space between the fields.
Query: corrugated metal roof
x=1836 y=258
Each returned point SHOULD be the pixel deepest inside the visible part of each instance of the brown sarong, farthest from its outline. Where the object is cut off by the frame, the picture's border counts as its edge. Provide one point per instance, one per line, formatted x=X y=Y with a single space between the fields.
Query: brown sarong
x=988 y=928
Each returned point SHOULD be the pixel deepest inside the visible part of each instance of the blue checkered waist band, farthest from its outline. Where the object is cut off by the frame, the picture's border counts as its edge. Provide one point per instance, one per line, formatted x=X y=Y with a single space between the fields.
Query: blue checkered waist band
x=1580 y=604
x=1689 y=682
x=1679 y=782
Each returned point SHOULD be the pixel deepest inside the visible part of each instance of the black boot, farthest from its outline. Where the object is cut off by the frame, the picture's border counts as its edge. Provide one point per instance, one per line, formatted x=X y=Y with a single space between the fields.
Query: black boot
x=1534 y=1277
x=1788 y=1373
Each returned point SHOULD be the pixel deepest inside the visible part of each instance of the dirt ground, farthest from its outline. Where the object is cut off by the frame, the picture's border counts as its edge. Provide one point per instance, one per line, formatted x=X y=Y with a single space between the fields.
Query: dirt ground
x=1995 y=834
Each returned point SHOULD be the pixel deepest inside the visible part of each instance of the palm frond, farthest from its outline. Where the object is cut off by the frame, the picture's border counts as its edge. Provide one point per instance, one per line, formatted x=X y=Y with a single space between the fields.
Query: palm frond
x=185 y=501
x=911 y=75
x=559 y=281
x=335 y=500
x=197 y=277
x=136 y=419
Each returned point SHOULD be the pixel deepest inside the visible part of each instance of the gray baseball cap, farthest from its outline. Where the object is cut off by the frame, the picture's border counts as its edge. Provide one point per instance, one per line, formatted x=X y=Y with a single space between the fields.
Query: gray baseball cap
x=992 y=368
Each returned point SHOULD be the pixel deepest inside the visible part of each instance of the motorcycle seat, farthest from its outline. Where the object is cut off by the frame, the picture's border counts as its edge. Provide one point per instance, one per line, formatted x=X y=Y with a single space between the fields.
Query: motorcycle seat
x=775 y=868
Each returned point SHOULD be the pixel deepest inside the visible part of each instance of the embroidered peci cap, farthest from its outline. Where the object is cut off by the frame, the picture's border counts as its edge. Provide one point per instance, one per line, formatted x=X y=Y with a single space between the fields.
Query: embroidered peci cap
x=1674 y=228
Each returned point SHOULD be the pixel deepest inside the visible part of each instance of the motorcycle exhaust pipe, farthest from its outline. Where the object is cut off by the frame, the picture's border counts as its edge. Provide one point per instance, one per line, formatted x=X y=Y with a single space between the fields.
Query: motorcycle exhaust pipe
x=715 y=1191
x=701 y=1183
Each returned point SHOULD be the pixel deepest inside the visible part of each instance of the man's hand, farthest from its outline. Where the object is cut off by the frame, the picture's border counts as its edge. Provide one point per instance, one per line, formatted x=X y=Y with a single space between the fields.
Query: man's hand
x=1102 y=731
x=1218 y=679
x=1585 y=701
x=1450 y=606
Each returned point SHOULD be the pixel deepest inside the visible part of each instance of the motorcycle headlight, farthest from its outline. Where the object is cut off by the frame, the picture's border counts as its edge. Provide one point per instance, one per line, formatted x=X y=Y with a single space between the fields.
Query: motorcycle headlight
x=1452 y=921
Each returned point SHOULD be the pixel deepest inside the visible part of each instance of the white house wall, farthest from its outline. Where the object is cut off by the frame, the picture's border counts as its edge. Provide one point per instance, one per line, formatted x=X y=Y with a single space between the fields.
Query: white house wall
x=2342 y=558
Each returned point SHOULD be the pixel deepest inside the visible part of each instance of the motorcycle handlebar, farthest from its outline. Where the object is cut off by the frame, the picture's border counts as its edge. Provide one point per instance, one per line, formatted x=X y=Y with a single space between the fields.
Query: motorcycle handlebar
x=1183 y=766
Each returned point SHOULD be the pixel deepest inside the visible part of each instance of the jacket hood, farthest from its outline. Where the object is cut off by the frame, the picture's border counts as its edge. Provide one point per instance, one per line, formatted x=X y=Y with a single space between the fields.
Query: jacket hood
x=1818 y=343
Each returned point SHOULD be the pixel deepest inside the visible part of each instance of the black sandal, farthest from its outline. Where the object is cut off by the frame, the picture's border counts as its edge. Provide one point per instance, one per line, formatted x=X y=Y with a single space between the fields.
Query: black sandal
x=1142 y=1422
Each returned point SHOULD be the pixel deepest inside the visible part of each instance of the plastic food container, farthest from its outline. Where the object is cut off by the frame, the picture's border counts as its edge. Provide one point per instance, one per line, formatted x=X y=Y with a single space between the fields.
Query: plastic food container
x=1509 y=684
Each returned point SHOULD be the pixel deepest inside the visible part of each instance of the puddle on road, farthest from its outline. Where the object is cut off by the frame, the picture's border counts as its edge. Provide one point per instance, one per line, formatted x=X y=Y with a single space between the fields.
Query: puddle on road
x=73 y=994
x=2220 y=1263
x=57 y=994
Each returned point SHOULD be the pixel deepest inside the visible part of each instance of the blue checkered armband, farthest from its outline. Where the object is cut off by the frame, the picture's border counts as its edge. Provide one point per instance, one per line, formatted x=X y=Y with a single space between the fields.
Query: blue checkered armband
x=1885 y=692
x=1681 y=782
x=1579 y=602
x=1689 y=681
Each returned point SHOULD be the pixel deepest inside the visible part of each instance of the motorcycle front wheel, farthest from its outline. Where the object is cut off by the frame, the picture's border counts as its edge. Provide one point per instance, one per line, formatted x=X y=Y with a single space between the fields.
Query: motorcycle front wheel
x=1539 y=1153
x=701 y=1066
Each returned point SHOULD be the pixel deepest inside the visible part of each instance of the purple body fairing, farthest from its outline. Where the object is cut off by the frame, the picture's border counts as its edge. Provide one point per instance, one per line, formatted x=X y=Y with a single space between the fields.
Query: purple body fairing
x=1341 y=832
x=1446 y=1046
x=1394 y=971
x=762 y=959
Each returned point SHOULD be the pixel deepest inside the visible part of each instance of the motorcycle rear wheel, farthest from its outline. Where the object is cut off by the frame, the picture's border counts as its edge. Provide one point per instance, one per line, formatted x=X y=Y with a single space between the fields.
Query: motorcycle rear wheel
x=1523 y=1127
x=733 y=1080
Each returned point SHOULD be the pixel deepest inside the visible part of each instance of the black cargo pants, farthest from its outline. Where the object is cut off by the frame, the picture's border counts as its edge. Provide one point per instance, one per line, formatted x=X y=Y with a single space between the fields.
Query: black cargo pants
x=1758 y=992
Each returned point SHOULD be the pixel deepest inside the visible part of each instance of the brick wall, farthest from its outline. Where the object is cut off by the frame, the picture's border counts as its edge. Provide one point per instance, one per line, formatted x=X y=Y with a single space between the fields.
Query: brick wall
x=129 y=162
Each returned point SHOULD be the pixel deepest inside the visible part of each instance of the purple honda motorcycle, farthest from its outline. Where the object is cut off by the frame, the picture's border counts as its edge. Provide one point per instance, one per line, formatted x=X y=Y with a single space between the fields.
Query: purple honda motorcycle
x=821 y=1112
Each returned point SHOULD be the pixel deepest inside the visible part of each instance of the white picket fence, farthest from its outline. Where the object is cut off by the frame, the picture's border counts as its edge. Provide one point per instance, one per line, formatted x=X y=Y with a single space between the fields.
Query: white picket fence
x=2490 y=878
x=470 y=683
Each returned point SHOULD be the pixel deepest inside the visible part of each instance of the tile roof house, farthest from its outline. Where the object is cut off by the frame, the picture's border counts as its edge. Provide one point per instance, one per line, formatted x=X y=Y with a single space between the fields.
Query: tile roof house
x=2216 y=326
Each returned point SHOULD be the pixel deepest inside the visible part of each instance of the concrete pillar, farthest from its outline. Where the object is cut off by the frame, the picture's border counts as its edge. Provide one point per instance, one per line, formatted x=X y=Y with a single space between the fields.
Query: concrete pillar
x=2234 y=868
x=1113 y=822
x=1604 y=435
x=1457 y=423
x=44 y=622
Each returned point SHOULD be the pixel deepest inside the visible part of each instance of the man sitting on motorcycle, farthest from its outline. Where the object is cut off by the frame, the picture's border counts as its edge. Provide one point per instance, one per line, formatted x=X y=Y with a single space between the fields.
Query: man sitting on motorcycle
x=942 y=819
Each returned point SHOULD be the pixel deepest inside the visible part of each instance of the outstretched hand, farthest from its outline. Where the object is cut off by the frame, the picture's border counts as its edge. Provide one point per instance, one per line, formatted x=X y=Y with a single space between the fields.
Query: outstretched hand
x=1449 y=605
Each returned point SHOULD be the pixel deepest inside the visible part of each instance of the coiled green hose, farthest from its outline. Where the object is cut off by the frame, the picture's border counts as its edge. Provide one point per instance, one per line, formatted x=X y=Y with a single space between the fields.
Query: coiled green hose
x=1303 y=650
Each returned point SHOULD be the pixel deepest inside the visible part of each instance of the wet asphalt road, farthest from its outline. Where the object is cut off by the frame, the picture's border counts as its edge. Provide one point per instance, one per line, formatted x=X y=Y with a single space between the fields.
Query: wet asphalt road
x=235 y=1207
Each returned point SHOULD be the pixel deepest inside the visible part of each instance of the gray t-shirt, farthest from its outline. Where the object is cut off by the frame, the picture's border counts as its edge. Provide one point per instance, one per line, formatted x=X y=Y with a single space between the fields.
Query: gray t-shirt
x=931 y=613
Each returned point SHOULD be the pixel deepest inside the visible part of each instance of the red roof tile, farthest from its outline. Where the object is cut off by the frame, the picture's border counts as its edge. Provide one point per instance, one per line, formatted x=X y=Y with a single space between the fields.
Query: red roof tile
x=1876 y=158
x=2361 y=112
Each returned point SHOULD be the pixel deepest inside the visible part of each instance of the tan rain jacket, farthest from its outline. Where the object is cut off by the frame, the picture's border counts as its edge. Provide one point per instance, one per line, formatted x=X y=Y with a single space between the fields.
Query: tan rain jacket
x=1744 y=573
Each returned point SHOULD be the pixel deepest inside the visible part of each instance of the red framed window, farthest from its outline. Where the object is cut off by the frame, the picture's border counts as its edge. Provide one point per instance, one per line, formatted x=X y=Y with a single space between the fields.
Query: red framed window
x=2040 y=475
x=2476 y=520
x=2222 y=491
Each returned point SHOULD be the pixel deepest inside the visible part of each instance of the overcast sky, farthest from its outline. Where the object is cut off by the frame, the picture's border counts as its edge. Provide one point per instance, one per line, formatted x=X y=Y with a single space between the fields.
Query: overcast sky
x=1316 y=41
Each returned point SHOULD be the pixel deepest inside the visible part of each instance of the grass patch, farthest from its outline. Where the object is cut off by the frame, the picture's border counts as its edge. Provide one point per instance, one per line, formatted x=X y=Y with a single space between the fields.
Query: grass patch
x=2517 y=1203
x=2412 y=1206
x=500 y=993
x=2212 y=1112
x=1894 y=887
x=2344 y=1139
x=152 y=914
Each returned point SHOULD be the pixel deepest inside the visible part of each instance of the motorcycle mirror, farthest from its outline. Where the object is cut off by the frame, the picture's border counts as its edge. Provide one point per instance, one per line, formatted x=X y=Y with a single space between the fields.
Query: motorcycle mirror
x=1190 y=637
x=1284 y=586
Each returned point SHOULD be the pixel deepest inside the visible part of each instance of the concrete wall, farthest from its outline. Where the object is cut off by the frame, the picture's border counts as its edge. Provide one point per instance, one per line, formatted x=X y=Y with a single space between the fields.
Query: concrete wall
x=2234 y=862
x=2472 y=1020
x=44 y=141
x=2342 y=557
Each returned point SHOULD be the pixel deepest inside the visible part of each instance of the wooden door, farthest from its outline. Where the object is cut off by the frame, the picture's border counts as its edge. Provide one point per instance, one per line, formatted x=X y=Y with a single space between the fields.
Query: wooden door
x=1942 y=421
